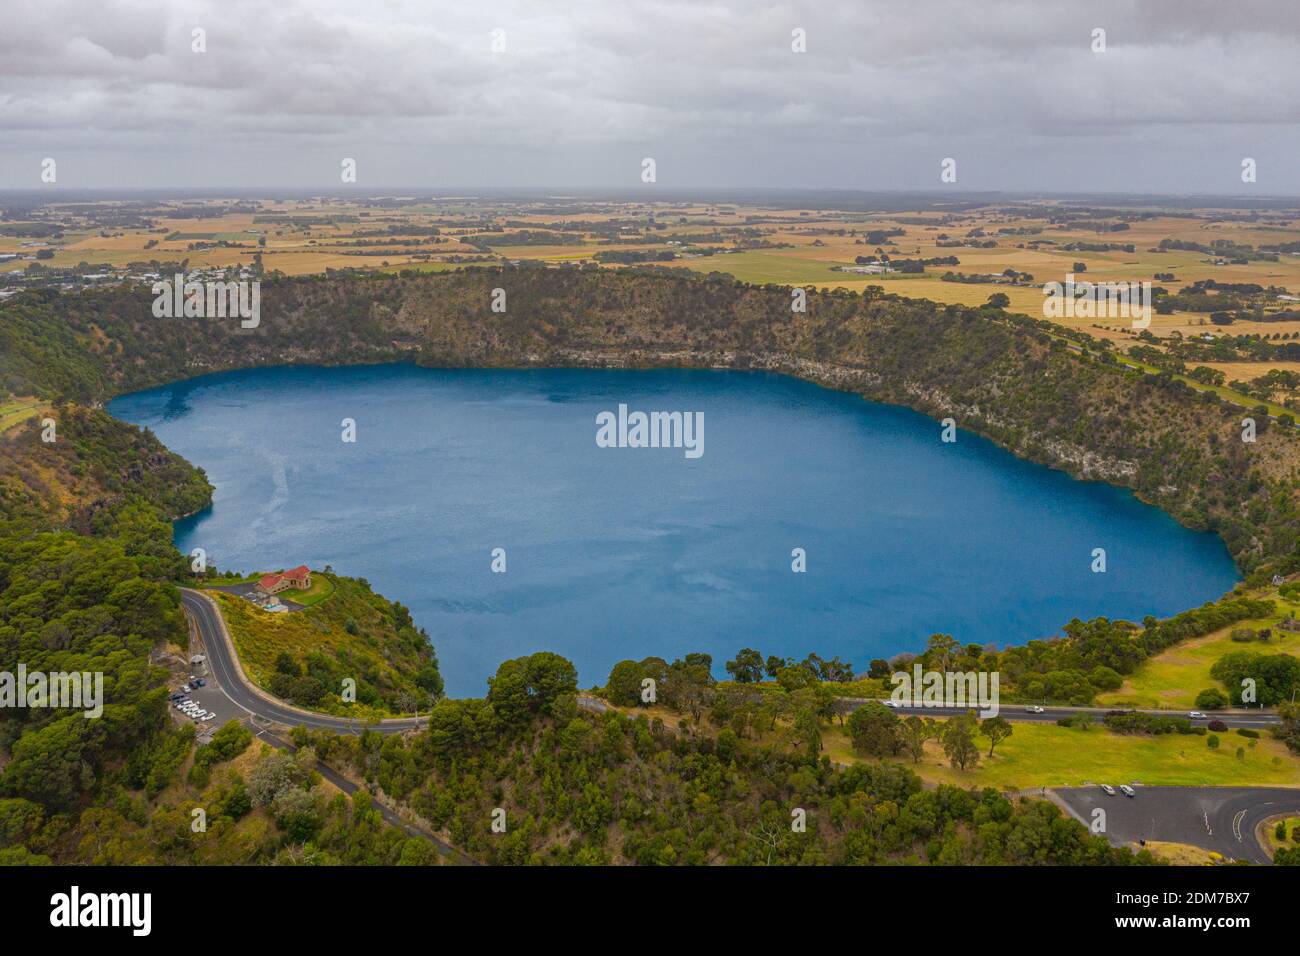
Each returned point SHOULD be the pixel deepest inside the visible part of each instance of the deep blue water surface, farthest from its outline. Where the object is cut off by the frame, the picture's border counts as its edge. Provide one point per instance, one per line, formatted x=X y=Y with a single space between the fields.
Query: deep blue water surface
x=619 y=553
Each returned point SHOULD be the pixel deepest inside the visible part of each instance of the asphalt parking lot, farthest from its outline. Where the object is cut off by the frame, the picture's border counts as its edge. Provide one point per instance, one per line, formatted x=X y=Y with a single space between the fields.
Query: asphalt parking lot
x=1222 y=819
x=210 y=698
x=245 y=590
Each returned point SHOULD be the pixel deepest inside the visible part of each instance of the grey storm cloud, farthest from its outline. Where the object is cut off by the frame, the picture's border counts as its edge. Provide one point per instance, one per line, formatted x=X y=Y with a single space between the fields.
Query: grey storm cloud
x=712 y=90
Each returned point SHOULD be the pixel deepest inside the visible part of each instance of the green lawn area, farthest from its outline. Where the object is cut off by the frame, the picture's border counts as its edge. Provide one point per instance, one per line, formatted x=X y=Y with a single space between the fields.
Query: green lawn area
x=16 y=410
x=778 y=266
x=322 y=588
x=1292 y=826
x=421 y=267
x=1174 y=677
x=225 y=579
x=1045 y=755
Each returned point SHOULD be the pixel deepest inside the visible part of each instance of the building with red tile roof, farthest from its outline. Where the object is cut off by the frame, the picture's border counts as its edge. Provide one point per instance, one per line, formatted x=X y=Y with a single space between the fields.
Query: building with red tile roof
x=298 y=578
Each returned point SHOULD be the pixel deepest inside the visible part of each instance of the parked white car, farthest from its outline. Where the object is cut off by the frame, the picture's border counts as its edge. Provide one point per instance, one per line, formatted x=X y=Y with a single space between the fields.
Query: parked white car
x=1108 y=790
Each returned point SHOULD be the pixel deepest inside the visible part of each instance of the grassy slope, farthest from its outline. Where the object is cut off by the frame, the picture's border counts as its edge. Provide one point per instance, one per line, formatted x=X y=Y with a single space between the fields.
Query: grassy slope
x=1045 y=755
x=322 y=588
x=1176 y=675
x=376 y=655
x=1183 y=854
x=1292 y=826
x=15 y=411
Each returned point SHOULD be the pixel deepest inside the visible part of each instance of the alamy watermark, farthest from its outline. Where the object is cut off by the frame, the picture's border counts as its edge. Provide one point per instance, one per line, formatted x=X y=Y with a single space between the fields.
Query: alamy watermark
x=1098 y=300
x=922 y=688
x=651 y=430
x=76 y=690
x=75 y=908
x=211 y=299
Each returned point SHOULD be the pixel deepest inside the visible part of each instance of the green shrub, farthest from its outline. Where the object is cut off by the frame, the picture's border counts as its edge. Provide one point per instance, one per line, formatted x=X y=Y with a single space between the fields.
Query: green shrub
x=1211 y=699
x=226 y=744
x=1132 y=722
x=237 y=802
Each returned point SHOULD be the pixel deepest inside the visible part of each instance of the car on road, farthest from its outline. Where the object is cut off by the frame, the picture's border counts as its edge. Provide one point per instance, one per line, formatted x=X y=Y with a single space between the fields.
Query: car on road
x=891 y=703
x=1034 y=709
x=1127 y=790
x=1196 y=715
x=1108 y=790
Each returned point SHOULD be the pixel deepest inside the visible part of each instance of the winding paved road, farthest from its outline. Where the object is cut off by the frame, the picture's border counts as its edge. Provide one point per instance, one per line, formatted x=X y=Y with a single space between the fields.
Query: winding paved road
x=229 y=677
x=226 y=678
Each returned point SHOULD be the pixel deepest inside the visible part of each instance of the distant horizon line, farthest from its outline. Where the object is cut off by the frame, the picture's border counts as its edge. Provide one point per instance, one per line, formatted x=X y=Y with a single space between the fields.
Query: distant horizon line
x=633 y=193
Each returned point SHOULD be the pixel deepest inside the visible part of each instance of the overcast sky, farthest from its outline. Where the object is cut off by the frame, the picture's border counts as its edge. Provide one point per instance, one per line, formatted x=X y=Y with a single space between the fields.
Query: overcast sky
x=584 y=89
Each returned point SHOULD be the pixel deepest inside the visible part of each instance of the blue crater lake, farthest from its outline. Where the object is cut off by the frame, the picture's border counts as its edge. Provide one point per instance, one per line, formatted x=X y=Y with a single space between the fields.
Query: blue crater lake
x=616 y=553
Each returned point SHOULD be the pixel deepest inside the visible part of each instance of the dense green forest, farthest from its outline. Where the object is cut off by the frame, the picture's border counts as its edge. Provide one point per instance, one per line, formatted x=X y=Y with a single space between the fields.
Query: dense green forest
x=123 y=788
x=88 y=579
x=570 y=787
x=97 y=475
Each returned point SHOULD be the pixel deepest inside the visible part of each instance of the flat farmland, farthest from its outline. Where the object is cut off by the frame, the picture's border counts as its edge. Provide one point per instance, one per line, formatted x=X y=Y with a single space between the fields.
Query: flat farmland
x=1012 y=248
